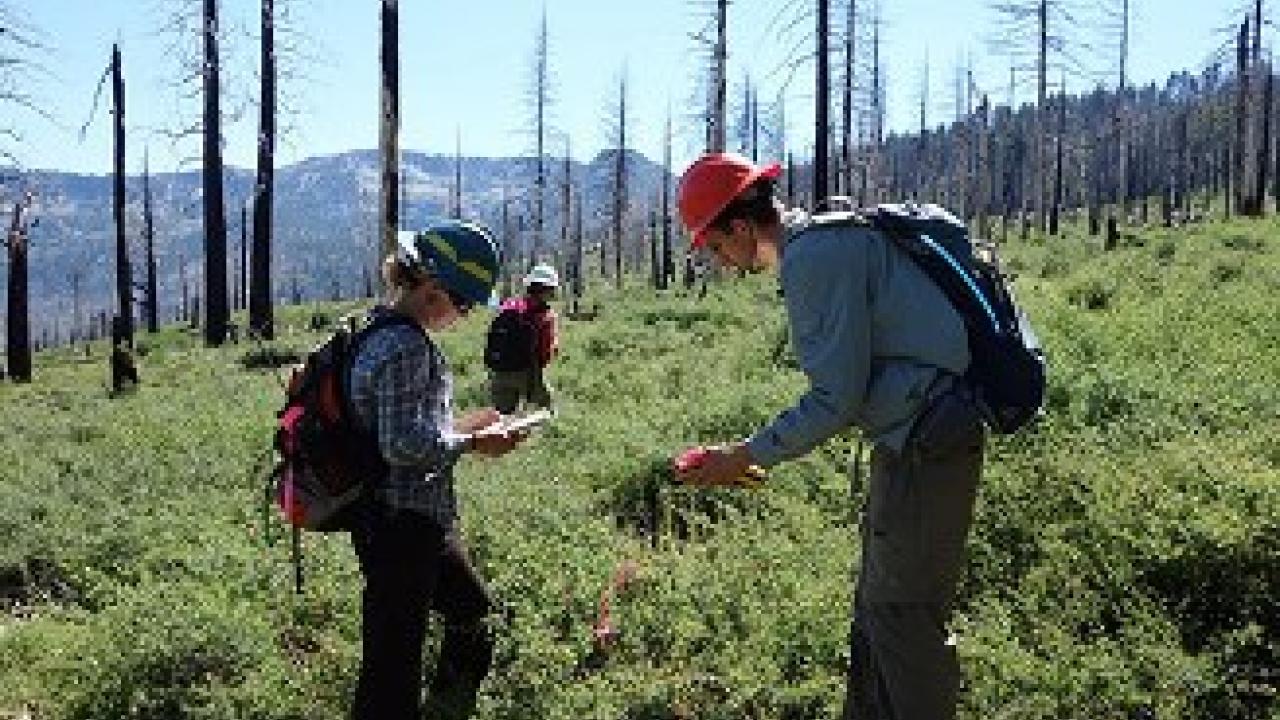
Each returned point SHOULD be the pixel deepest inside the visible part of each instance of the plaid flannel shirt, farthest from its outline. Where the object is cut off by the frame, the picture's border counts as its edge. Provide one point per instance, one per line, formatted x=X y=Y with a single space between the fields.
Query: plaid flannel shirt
x=401 y=390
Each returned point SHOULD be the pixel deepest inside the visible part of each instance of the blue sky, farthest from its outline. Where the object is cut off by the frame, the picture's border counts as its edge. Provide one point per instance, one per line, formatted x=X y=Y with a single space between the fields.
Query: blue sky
x=465 y=65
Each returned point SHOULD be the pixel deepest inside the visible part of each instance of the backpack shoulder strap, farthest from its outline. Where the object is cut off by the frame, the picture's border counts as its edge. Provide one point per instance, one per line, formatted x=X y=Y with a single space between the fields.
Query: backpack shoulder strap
x=382 y=322
x=908 y=225
x=837 y=219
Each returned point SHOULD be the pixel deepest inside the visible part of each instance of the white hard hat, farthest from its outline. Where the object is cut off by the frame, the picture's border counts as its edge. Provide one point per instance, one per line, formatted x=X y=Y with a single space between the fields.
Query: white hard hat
x=542 y=275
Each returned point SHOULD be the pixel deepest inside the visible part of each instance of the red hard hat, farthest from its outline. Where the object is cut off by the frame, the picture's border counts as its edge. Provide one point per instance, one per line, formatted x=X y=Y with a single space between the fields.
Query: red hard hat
x=711 y=183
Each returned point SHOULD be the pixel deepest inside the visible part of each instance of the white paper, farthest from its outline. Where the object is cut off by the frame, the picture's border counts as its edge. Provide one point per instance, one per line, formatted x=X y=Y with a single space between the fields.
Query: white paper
x=514 y=423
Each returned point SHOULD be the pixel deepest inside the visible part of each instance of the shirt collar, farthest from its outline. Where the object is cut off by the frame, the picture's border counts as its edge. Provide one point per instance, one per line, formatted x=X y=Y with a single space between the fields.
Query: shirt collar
x=794 y=221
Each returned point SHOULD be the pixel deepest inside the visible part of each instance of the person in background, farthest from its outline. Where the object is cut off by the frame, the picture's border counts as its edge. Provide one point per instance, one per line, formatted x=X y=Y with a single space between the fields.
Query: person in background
x=883 y=350
x=411 y=555
x=523 y=339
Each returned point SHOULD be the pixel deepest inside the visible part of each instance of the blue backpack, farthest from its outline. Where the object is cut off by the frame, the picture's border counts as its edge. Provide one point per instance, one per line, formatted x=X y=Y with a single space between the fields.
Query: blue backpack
x=1007 y=365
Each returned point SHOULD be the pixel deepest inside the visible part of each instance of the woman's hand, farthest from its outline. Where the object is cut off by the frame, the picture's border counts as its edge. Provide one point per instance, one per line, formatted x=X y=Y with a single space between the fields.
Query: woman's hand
x=476 y=420
x=495 y=440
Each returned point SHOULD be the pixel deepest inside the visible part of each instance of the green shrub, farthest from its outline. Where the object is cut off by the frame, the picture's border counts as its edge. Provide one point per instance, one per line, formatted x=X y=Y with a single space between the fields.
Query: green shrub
x=1121 y=565
x=1092 y=293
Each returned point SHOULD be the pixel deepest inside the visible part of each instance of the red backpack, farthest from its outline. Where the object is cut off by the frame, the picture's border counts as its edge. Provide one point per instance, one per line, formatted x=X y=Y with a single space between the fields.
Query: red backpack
x=325 y=459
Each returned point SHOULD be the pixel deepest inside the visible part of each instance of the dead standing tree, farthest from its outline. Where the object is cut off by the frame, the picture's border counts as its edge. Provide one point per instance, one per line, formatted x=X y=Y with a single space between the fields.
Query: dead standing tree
x=847 y=84
x=18 y=323
x=21 y=43
x=1115 y=26
x=389 y=128
x=719 y=80
x=1251 y=149
x=261 y=315
x=1240 y=149
x=215 y=220
x=822 y=105
x=1265 y=111
x=578 y=282
x=1029 y=31
x=124 y=281
x=199 y=43
x=123 y=327
x=711 y=85
x=455 y=192
x=149 y=237
x=540 y=99
x=668 y=265
x=565 y=255
x=618 y=140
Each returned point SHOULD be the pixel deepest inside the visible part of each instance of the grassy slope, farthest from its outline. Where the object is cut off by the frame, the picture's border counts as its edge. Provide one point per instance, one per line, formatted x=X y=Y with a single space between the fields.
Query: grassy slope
x=1126 y=553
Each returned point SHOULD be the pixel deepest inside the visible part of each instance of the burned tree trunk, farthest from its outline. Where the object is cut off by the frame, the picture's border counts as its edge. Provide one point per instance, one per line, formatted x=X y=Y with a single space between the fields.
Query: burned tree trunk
x=1182 y=181
x=149 y=234
x=1264 y=147
x=655 y=250
x=1242 y=108
x=18 y=340
x=620 y=181
x=261 y=320
x=215 y=222
x=184 y=309
x=1275 y=154
x=124 y=283
x=1041 y=101
x=821 y=125
x=719 y=79
x=563 y=252
x=389 y=128
x=455 y=193
x=508 y=245
x=541 y=92
x=242 y=277
x=984 y=168
x=1228 y=183
x=791 y=181
x=1095 y=184
x=579 y=271
x=1055 y=208
x=668 y=262
x=846 y=105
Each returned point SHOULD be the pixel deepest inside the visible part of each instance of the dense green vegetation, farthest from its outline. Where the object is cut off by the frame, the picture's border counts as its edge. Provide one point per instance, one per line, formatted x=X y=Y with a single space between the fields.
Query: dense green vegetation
x=1125 y=560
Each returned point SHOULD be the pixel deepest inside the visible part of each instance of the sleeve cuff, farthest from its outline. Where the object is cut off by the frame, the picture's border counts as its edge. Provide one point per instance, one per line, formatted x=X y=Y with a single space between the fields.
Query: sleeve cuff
x=765 y=453
x=455 y=444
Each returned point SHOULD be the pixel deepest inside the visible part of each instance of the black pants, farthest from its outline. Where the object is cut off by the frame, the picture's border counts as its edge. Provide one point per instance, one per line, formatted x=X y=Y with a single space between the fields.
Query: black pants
x=411 y=566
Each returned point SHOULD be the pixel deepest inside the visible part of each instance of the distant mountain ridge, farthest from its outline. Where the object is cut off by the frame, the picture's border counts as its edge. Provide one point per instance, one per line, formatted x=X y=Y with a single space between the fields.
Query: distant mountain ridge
x=325 y=220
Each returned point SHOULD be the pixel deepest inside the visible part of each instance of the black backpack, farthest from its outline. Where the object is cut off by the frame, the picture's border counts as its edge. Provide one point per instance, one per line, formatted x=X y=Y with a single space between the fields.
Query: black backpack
x=509 y=345
x=1007 y=366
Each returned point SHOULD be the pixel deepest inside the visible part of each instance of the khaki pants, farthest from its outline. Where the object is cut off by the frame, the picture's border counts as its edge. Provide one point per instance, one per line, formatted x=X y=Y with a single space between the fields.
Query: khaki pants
x=914 y=525
x=507 y=389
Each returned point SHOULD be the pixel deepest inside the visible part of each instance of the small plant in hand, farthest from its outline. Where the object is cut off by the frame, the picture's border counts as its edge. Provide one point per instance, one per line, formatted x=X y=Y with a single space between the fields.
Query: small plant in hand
x=688 y=462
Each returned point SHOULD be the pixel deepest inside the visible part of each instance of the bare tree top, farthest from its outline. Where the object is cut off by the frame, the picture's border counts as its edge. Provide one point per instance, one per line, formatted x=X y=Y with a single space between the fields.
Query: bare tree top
x=22 y=46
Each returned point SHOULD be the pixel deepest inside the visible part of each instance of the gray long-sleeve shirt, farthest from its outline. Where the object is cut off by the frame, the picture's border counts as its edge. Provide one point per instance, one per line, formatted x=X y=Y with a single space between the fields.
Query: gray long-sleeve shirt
x=872 y=333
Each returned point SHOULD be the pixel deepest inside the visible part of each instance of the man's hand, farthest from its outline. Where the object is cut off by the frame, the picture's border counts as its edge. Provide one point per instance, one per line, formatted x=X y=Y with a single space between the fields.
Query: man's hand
x=715 y=466
x=476 y=420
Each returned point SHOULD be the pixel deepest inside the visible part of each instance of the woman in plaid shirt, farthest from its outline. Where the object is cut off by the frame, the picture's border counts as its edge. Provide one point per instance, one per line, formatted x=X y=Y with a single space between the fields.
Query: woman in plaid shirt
x=410 y=553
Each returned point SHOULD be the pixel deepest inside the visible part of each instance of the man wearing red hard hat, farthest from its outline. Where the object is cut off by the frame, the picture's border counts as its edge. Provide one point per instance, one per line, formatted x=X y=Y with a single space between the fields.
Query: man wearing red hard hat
x=883 y=350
